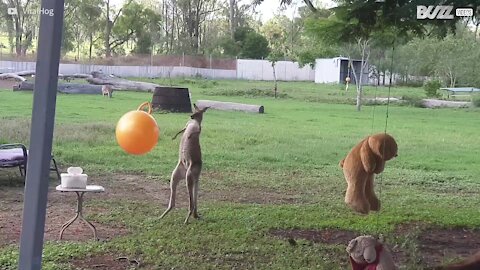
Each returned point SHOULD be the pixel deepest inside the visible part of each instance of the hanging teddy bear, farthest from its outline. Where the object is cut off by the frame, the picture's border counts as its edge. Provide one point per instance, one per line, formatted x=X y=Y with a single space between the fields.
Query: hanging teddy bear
x=360 y=166
x=366 y=253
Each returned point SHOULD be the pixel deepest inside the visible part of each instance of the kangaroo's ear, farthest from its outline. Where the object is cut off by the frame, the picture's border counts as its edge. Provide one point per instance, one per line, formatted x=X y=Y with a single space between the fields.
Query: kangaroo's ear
x=367 y=157
x=195 y=106
x=205 y=109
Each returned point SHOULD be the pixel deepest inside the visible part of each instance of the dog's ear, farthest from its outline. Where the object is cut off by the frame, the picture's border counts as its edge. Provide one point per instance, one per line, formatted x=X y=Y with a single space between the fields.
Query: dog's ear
x=370 y=254
x=367 y=157
x=351 y=245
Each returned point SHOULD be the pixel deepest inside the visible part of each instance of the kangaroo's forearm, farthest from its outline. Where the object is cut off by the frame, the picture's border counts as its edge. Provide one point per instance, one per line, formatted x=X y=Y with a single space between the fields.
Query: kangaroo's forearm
x=180 y=132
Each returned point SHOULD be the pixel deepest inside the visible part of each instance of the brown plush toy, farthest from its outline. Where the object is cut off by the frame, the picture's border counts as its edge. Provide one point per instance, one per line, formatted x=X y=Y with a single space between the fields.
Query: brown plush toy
x=362 y=162
x=367 y=253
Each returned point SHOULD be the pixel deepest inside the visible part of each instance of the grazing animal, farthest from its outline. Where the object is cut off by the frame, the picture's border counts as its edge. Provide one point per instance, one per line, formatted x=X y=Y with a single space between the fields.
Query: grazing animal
x=189 y=163
x=362 y=162
x=470 y=263
x=107 y=90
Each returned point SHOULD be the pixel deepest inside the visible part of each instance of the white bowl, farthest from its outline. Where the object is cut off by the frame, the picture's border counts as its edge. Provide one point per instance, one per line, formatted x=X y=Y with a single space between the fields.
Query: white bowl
x=74 y=180
x=75 y=170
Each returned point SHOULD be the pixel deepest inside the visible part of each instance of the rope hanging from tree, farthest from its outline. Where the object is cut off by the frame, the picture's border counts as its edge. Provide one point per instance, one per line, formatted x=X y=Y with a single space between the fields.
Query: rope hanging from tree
x=380 y=181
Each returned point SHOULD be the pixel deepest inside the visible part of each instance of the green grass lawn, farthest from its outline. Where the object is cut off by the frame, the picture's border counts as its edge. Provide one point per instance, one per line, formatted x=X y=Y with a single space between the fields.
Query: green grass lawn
x=294 y=148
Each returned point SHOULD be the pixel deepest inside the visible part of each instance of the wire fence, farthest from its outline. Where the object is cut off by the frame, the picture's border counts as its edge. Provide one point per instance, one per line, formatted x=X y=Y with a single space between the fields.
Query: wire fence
x=195 y=61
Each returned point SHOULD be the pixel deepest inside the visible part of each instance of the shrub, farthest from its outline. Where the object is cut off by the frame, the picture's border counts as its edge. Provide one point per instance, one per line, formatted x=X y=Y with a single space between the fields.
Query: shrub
x=413 y=101
x=254 y=92
x=410 y=83
x=431 y=87
x=476 y=101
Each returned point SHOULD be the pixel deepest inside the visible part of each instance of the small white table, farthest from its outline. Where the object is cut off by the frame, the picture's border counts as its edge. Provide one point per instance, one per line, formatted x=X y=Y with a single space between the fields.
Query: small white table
x=79 y=213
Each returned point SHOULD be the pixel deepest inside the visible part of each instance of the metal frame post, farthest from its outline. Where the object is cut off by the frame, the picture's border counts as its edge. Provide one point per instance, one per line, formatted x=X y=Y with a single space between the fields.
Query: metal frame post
x=43 y=118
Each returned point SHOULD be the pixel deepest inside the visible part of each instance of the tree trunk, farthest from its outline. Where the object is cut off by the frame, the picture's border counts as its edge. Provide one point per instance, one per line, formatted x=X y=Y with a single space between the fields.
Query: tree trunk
x=165 y=24
x=78 y=48
x=108 y=30
x=67 y=88
x=230 y=106
x=121 y=84
x=232 y=7
x=18 y=37
x=275 y=81
x=172 y=38
x=363 y=46
x=17 y=77
x=476 y=29
x=90 y=46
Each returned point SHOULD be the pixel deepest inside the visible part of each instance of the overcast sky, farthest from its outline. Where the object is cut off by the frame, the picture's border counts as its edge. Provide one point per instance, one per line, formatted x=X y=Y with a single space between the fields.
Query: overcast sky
x=268 y=8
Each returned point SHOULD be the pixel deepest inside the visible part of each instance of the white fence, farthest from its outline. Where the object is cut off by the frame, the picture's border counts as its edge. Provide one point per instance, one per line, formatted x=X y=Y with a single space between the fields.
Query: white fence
x=129 y=71
x=246 y=69
x=262 y=70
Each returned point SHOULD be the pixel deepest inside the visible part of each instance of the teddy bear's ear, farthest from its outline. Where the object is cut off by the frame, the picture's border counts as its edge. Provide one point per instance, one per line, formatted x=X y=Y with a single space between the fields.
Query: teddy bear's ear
x=383 y=145
x=367 y=157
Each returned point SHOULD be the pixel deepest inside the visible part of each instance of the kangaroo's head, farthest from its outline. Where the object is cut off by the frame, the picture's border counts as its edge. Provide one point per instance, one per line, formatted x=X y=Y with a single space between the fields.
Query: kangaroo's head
x=198 y=114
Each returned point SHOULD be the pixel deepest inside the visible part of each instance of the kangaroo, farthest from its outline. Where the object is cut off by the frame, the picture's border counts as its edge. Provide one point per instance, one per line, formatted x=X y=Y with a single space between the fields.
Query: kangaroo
x=189 y=163
x=107 y=90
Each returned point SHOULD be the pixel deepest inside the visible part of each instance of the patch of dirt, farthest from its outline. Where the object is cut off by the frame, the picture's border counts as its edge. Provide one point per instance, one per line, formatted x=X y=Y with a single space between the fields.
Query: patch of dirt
x=106 y=261
x=437 y=244
x=60 y=208
x=326 y=236
x=7 y=84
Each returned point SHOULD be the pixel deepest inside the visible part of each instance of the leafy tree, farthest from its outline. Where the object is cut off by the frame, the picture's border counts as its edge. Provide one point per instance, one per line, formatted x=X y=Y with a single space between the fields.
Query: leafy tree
x=131 y=25
x=308 y=46
x=370 y=24
x=21 y=26
x=255 y=46
x=276 y=35
x=88 y=16
x=246 y=43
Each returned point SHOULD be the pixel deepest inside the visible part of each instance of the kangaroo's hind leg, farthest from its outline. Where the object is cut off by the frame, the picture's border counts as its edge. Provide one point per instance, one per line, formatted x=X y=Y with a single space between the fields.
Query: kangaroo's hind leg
x=195 y=191
x=177 y=175
x=193 y=173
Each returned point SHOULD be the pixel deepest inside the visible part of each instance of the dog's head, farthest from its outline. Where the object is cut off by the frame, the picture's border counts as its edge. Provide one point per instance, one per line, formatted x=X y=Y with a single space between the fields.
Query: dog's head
x=383 y=145
x=362 y=249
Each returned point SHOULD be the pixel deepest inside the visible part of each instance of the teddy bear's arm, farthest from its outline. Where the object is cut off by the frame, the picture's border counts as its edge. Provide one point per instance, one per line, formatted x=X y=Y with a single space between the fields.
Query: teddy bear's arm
x=367 y=157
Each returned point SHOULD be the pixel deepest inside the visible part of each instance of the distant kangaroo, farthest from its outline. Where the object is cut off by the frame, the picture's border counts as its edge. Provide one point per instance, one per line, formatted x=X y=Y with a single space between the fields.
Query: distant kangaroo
x=107 y=90
x=189 y=163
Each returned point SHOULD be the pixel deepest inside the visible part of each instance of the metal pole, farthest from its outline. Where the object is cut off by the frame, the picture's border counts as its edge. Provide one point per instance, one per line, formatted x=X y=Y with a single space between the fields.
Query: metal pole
x=43 y=116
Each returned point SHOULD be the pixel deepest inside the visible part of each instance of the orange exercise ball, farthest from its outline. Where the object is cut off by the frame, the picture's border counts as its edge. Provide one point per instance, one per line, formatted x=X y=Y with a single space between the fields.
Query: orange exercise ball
x=137 y=131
